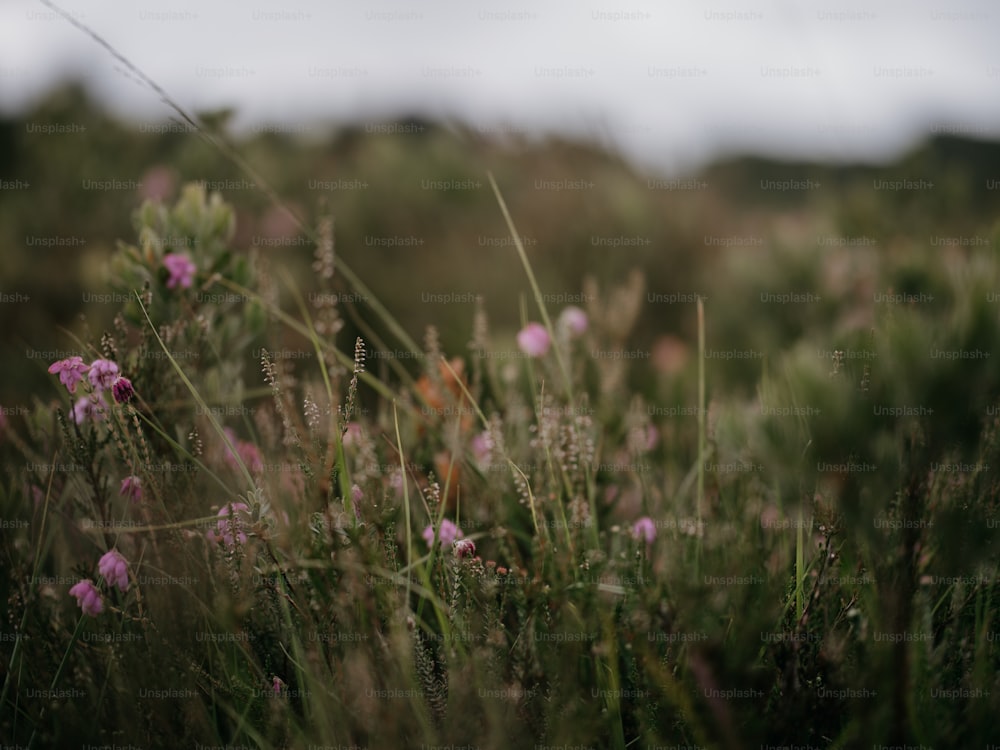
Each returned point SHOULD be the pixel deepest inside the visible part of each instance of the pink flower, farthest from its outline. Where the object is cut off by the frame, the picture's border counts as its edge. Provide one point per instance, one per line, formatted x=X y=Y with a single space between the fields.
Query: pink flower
x=70 y=371
x=277 y=684
x=103 y=374
x=87 y=597
x=122 y=390
x=644 y=528
x=482 y=448
x=248 y=453
x=357 y=495
x=88 y=407
x=574 y=321
x=114 y=568
x=465 y=548
x=448 y=533
x=226 y=526
x=181 y=270
x=131 y=488
x=534 y=340
x=352 y=434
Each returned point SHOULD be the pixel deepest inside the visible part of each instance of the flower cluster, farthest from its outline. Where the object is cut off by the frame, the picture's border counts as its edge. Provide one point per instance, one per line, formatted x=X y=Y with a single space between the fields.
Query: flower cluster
x=103 y=375
x=131 y=488
x=229 y=528
x=181 y=270
x=113 y=567
x=447 y=534
x=246 y=453
x=88 y=597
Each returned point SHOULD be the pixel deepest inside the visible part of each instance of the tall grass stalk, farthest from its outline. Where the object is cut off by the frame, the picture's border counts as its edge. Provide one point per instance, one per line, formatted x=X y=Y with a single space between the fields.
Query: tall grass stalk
x=539 y=300
x=702 y=416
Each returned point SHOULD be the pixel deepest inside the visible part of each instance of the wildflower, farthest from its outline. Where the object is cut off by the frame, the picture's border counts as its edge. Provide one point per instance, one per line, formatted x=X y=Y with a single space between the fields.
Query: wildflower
x=465 y=548
x=103 y=374
x=352 y=434
x=131 y=488
x=534 y=340
x=448 y=533
x=248 y=453
x=181 y=270
x=573 y=321
x=114 y=567
x=277 y=684
x=122 y=390
x=87 y=597
x=644 y=528
x=482 y=448
x=225 y=526
x=87 y=407
x=70 y=371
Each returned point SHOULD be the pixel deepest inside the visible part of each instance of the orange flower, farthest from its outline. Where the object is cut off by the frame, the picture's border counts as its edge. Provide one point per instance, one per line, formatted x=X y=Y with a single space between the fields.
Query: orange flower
x=438 y=404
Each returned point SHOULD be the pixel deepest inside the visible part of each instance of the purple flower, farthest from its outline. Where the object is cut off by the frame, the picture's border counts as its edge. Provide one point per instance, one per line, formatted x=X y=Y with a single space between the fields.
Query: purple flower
x=225 y=526
x=114 y=568
x=181 y=270
x=644 y=528
x=277 y=685
x=103 y=374
x=122 y=390
x=534 y=340
x=465 y=548
x=448 y=533
x=87 y=407
x=87 y=597
x=131 y=488
x=70 y=371
x=573 y=320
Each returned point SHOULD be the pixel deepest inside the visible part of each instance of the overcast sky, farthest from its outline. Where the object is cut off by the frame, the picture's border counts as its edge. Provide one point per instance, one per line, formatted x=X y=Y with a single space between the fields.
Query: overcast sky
x=669 y=83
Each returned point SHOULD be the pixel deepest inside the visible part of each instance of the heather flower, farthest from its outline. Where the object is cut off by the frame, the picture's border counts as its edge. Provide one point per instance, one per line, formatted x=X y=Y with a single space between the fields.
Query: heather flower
x=465 y=548
x=114 y=567
x=574 y=321
x=534 y=340
x=448 y=533
x=87 y=407
x=482 y=448
x=70 y=371
x=352 y=434
x=122 y=390
x=644 y=528
x=87 y=597
x=181 y=270
x=103 y=374
x=225 y=526
x=131 y=488
x=248 y=453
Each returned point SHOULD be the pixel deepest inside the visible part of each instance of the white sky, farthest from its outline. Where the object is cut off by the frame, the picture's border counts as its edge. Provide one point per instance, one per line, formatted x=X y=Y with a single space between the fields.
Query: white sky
x=672 y=84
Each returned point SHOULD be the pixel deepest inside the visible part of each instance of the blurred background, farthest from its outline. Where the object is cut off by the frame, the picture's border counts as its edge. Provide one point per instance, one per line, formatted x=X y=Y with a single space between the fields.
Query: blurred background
x=727 y=150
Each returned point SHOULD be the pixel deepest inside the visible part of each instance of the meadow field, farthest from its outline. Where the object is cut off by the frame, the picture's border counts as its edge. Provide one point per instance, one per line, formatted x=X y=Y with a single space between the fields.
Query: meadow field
x=412 y=436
